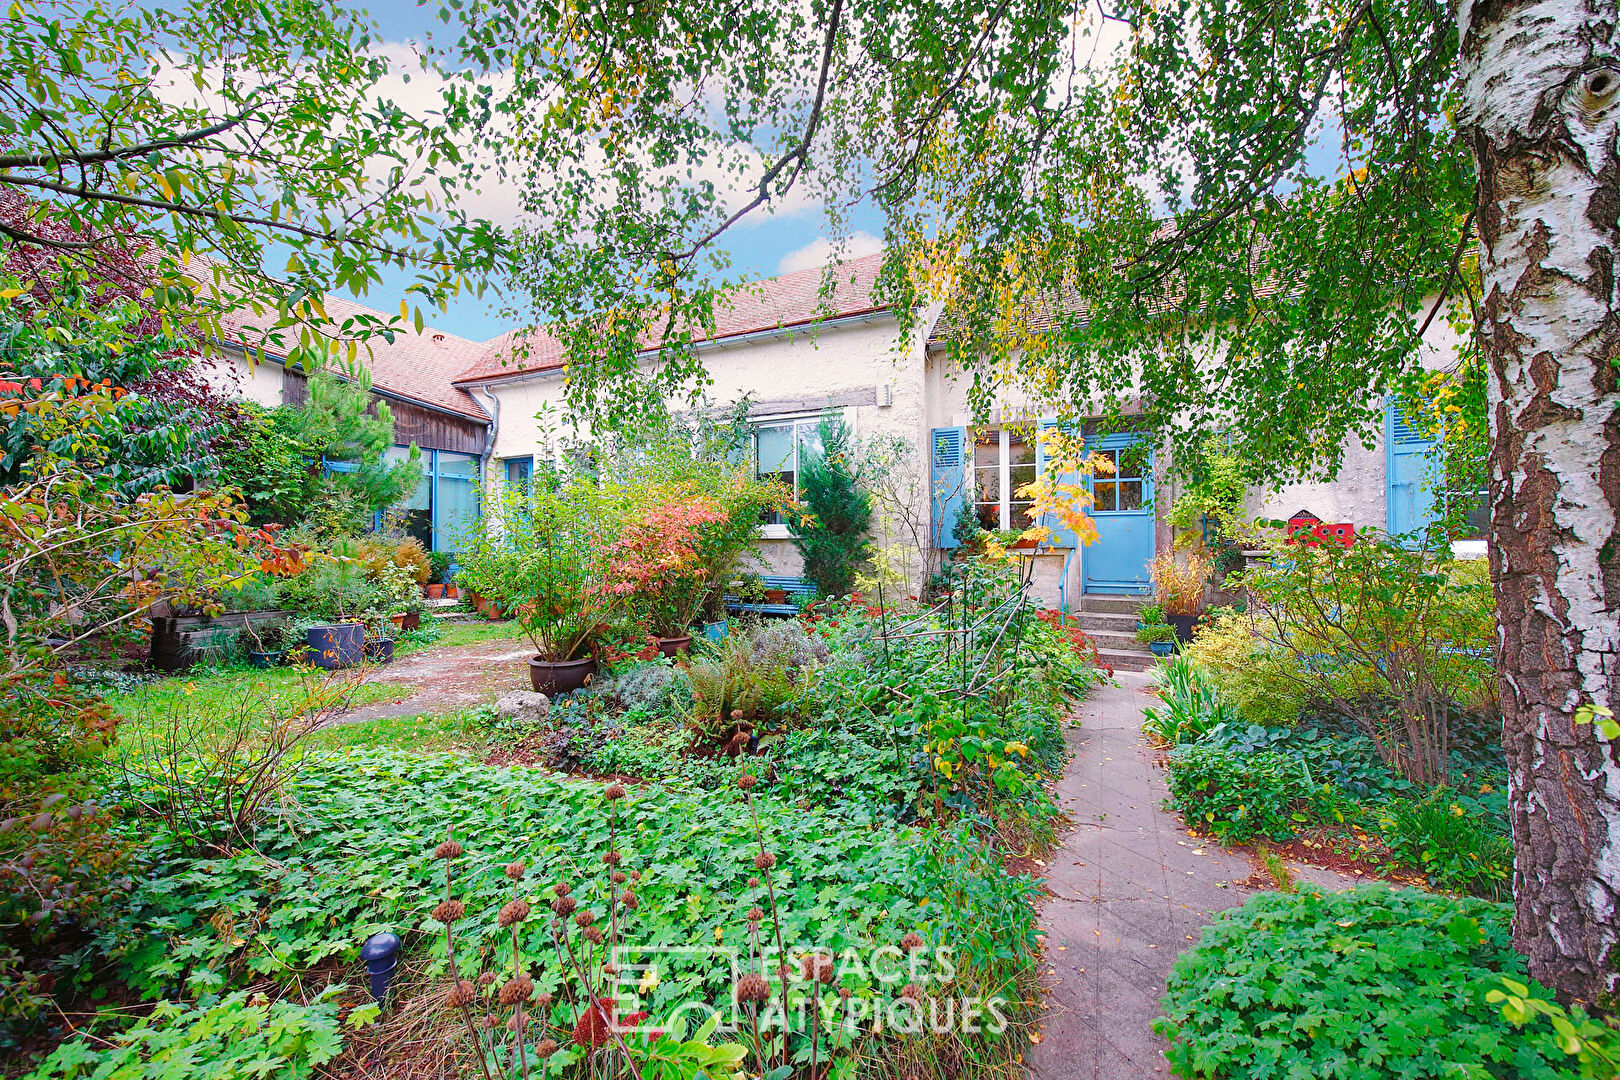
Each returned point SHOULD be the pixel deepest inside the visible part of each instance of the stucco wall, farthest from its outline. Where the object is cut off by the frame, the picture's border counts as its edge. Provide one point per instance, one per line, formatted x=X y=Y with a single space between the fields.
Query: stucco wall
x=230 y=372
x=787 y=374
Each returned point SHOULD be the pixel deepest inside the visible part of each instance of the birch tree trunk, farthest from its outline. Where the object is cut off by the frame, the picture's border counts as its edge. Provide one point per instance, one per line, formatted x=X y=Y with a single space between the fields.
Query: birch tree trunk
x=1540 y=84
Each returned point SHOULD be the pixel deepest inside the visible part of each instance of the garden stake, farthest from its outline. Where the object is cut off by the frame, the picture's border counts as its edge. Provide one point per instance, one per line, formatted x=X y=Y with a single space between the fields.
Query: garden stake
x=450 y=850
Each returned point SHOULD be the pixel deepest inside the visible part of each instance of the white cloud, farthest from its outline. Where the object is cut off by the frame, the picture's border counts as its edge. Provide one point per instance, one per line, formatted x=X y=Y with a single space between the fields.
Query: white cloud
x=821 y=251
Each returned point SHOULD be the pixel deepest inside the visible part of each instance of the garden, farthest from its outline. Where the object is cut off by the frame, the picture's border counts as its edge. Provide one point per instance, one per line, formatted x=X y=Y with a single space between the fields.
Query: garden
x=1341 y=711
x=682 y=842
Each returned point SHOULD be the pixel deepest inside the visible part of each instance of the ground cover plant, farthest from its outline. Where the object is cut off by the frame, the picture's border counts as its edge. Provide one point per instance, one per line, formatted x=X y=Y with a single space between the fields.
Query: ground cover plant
x=1367 y=983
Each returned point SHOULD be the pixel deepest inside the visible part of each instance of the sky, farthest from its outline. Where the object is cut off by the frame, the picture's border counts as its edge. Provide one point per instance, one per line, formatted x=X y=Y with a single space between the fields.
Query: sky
x=760 y=246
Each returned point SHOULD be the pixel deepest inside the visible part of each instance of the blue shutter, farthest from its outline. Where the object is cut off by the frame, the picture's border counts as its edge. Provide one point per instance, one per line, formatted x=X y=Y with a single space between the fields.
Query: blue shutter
x=948 y=470
x=1411 y=469
x=1062 y=536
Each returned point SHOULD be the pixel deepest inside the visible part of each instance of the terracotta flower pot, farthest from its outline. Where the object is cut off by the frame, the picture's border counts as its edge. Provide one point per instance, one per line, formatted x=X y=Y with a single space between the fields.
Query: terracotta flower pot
x=673 y=646
x=453 y=592
x=552 y=677
x=398 y=621
x=412 y=620
x=492 y=610
x=776 y=596
x=433 y=592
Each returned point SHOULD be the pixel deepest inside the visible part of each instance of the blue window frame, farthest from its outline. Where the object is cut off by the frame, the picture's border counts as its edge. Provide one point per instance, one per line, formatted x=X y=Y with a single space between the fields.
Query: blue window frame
x=518 y=470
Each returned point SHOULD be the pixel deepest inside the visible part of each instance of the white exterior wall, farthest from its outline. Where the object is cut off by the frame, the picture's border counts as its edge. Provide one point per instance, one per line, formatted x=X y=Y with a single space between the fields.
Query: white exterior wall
x=788 y=373
x=229 y=371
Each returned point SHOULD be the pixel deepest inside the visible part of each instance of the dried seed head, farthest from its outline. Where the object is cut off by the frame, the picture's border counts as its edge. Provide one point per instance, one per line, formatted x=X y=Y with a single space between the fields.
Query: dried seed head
x=764 y=861
x=491 y=1021
x=843 y=993
x=747 y=780
x=564 y=905
x=486 y=978
x=562 y=888
x=615 y=791
x=753 y=988
x=612 y=858
x=610 y=969
x=462 y=994
x=447 y=850
x=628 y=899
x=594 y=935
x=816 y=967
x=542 y=1002
x=911 y=992
x=911 y=942
x=585 y=917
x=755 y=915
x=516 y=870
x=545 y=1048
x=753 y=883
x=635 y=875
x=448 y=911
x=514 y=912
x=518 y=988
x=617 y=877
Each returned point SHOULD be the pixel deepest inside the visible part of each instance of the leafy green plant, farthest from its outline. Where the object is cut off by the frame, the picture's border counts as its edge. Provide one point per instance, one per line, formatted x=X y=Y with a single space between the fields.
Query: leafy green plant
x=1263 y=682
x=1239 y=797
x=830 y=531
x=342 y=422
x=1148 y=633
x=1594 y=1045
x=1369 y=983
x=240 y=1036
x=1453 y=839
x=1376 y=623
x=1191 y=705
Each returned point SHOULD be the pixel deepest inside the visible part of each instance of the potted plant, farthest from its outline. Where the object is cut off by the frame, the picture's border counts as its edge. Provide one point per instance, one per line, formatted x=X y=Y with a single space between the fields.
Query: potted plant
x=438 y=565
x=338 y=591
x=655 y=564
x=544 y=561
x=1160 y=638
x=264 y=643
x=1179 y=588
x=749 y=589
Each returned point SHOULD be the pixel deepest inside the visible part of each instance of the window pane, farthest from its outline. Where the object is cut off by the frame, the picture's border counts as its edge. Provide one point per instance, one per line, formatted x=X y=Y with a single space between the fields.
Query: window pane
x=1130 y=495
x=457 y=509
x=1020 y=451
x=1104 y=491
x=989 y=515
x=1017 y=477
x=1021 y=517
x=809 y=437
x=452 y=464
x=775 y=449
x=987 y=449
x=1130 y=463
x=987 y=485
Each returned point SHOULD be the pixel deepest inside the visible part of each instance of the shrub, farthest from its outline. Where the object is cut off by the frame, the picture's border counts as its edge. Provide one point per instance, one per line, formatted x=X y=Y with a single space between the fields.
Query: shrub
x=1178 y=584
x=1377 y=624
x=1262 y=682
x=1369 y=983
x=784 y=645
x=1241 y=797
x=1458 y=842
x=237 y=1037
x=1148 y=633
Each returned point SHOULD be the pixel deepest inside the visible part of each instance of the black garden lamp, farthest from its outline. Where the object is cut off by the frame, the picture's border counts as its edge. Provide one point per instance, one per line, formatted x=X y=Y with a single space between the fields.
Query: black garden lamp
x=381 y=956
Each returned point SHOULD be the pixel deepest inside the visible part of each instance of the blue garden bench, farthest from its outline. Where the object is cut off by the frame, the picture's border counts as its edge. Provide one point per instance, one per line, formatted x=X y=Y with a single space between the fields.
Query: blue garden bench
x=795 y=588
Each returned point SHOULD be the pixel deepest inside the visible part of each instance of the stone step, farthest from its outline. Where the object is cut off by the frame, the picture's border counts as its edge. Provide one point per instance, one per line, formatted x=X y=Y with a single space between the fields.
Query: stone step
x=1112 y=604
x=441 y=602
x=1119 y=642
x=1127 y=661
x=1094 y=623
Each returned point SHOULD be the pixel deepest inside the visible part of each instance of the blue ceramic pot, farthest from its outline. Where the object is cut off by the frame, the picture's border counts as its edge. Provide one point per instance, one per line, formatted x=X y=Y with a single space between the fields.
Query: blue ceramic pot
x=338 y=646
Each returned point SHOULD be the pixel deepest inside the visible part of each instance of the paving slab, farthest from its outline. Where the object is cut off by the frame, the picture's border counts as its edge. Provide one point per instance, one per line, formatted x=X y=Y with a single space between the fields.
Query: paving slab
x=1128 y=890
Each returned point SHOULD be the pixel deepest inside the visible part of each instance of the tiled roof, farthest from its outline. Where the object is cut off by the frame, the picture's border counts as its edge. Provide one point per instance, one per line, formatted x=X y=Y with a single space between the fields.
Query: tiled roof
x=421 y=367
x=777 y=303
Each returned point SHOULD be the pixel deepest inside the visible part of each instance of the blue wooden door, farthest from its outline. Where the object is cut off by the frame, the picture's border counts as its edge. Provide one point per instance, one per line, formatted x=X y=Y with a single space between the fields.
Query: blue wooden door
x=1411 y=465
x=1123 y=509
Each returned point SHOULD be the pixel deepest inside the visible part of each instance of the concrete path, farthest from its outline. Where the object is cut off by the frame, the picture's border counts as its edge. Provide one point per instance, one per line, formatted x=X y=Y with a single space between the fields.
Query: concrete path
x=1129 y=891
x=445 y=678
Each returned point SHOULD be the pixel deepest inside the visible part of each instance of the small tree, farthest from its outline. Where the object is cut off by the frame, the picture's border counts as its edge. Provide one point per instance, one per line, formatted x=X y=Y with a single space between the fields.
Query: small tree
x=342 y=423
x=830 y=529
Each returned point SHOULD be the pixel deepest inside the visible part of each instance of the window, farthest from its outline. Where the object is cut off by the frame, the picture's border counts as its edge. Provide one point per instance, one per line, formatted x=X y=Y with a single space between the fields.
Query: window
x=519 y=470
x=1120 y=489
x=445 y=503
x=778 y=448
x=1003 y=462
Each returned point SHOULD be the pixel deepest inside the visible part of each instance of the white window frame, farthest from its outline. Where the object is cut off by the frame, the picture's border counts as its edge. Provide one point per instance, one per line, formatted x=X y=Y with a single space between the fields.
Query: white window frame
x=780 y=530
x=1004 y=472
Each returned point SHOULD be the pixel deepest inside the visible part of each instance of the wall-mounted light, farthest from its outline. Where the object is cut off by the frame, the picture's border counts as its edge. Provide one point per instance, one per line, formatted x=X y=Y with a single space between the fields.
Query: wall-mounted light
x=381 y=956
